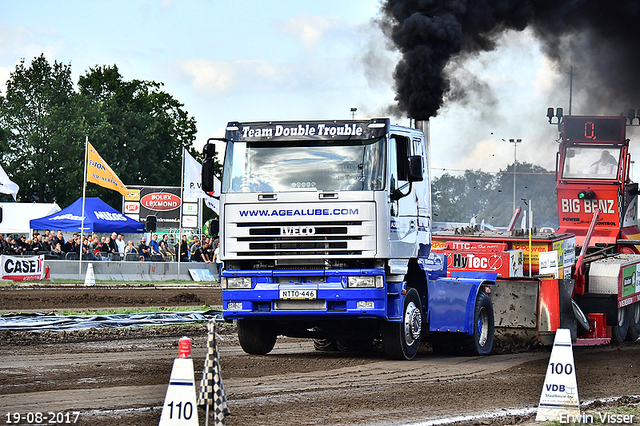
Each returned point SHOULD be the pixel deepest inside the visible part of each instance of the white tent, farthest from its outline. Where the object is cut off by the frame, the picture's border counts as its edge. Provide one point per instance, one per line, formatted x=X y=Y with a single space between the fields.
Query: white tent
x=16 y=216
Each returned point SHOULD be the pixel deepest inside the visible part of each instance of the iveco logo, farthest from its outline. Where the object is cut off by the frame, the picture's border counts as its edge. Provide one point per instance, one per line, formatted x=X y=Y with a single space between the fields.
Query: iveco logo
x=297 y=230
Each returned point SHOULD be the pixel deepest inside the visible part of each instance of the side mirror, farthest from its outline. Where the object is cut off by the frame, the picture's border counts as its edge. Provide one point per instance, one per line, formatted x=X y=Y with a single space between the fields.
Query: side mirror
x=209 y=152
x=207 y=175
x=415 y=169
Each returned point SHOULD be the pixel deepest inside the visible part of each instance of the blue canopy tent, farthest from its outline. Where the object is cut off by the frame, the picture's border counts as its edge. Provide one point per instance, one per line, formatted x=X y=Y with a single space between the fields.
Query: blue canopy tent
x=99 y=217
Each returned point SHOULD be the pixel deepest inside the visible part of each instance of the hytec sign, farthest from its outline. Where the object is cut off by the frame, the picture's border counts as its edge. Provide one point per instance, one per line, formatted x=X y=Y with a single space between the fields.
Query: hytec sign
x=505 y=263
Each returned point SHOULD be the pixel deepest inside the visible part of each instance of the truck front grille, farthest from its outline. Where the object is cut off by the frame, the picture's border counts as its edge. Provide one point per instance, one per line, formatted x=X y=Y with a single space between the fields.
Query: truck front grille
x=264 y=240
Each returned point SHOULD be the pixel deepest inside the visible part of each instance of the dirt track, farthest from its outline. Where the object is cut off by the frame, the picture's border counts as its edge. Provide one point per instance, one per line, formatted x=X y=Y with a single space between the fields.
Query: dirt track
x=120 y=376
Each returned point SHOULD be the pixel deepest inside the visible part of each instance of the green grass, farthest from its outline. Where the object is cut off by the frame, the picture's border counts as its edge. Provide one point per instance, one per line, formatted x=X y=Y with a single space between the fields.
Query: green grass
x=69 y=281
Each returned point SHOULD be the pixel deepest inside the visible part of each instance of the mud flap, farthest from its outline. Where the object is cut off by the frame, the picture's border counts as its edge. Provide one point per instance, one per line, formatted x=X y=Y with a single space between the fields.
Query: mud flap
x=567 y=316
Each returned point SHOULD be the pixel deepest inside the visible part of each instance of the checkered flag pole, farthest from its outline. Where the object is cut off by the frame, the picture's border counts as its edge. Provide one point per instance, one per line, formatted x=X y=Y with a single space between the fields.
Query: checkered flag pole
x=211 y=389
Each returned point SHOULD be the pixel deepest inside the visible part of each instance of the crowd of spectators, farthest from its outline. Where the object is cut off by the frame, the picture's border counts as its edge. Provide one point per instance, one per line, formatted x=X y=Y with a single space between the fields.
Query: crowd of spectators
x=112 y=247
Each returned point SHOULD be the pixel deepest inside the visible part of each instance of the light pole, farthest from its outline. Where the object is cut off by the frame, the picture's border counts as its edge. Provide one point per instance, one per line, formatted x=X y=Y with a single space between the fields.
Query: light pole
x=353 y=113
x=515 y=143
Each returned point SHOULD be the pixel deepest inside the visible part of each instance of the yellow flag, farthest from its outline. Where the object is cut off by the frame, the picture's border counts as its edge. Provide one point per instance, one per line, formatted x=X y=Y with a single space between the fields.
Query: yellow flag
x=99 y=172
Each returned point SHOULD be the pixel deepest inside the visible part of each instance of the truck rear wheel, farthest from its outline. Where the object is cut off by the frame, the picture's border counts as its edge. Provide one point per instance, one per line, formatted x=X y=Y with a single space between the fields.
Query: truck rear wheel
x=634 y=322
x=621 y=327
x=256 y=337
x=401 y=340
x=325 y=345
x=481 y=341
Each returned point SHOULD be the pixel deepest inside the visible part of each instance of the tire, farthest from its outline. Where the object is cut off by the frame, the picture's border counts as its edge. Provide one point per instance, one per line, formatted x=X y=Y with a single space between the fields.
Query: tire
x=256 y=337
x=633 y=311
x=584 y=326
x=620 y=329
x=401 y=340
x=325 y=345
x=481 y=341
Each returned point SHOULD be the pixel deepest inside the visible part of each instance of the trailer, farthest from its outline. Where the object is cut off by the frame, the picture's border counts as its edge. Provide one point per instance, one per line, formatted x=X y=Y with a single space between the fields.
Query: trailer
x=584 y=275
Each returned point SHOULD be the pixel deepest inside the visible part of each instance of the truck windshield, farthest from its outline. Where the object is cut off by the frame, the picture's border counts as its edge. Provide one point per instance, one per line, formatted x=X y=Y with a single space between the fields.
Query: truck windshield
x=305 y=166
x=591 y=163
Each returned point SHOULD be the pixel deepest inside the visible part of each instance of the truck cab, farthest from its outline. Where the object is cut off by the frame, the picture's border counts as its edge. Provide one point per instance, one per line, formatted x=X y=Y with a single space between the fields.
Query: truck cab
x=325 y=233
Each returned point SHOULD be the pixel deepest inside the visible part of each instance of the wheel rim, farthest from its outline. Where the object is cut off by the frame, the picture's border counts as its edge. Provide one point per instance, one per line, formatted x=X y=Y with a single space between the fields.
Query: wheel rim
x=412 y=324
x=483 y=327
x=622 y=316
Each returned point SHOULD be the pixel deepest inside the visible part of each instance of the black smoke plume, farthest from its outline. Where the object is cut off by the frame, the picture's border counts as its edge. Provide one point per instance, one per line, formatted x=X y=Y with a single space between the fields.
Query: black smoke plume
x=599 y=38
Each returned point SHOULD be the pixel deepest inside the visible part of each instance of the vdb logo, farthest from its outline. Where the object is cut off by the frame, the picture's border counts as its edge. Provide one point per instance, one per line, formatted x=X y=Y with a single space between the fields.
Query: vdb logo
x=161 y=201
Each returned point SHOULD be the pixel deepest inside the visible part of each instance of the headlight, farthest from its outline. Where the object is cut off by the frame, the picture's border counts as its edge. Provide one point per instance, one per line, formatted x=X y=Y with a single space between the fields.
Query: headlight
x=236 y=282
x=371 y=281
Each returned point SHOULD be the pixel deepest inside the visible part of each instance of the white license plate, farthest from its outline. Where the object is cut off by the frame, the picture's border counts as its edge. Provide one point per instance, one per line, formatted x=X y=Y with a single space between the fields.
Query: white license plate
x=298 y=294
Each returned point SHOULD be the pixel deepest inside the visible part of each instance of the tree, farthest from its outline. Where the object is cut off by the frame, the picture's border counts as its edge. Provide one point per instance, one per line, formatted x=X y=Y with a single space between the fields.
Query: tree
x=490 y=197
x=138 y=129
x=459 y=198
x=41 y=144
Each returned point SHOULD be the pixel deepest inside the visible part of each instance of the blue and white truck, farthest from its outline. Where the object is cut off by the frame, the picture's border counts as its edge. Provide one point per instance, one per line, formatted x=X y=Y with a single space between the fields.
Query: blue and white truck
x=325 y=234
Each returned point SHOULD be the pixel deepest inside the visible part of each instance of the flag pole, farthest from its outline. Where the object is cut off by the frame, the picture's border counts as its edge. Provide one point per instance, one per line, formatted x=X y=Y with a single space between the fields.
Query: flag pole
x=181 y=209
x=84 y=194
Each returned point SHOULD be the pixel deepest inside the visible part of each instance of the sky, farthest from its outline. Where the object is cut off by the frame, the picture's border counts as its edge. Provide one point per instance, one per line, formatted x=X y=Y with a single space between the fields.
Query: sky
x=251 y=60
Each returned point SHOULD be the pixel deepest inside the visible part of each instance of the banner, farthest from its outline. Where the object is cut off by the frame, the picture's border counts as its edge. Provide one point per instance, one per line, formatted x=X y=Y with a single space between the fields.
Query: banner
x=22 y=268
x=163 y=202
x=7 y=186
x=193 y=183
x=100 y=173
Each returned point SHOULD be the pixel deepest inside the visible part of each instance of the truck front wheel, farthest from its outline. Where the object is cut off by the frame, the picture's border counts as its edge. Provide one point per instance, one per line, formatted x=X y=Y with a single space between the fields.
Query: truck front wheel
x=481 y=341
x=401 y=340
x=256 y=337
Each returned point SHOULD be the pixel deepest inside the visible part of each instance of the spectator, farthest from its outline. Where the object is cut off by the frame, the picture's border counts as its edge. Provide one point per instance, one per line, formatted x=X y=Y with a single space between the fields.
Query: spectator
x=196 y=251
x=195 y=240
x=58 y=250
x=207 y=252
x=130 y=248
x=153 y=245
x=58 y=239
x=37 y=245
x=22 y=245
x=166 y=252
x=95 y=244
x=72 y=245
x=113 y=247
x=46 y=243
x=3 y=244
x=104 y=250
x=143 y=249
x=121 y=244
x=183 y=249
x=28 y=245
x=216 y=258
x=87 y=252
